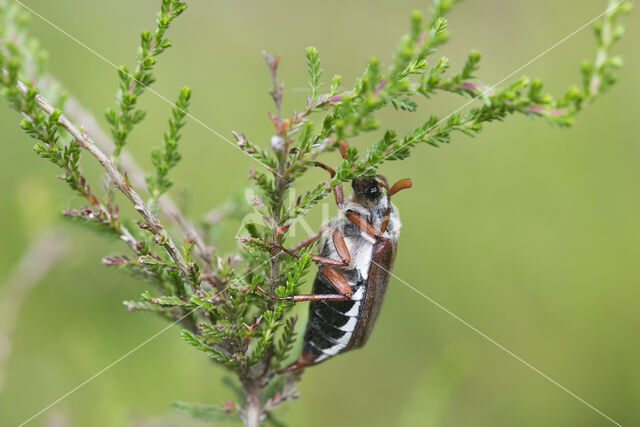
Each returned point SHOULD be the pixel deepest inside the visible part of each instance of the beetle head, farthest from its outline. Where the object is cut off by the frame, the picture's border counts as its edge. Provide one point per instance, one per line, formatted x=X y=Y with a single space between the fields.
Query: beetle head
x=367 y=190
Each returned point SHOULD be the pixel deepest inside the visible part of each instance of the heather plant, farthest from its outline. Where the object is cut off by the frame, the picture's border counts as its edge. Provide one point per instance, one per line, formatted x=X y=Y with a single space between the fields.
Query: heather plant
x=215 y=298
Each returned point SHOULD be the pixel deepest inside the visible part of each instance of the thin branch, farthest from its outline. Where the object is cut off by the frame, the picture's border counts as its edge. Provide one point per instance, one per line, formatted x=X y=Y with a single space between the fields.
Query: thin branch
x=278 y=87
x=478 y=90
x=281 y=181
x=84 y=141
x=136 y=175
x=256 y=377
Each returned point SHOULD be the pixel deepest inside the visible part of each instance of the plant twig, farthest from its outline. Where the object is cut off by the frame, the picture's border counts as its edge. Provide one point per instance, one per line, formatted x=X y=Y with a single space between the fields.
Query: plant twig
x=278 y=87
x=83 y=140
x=259 y=375
x=136 y=175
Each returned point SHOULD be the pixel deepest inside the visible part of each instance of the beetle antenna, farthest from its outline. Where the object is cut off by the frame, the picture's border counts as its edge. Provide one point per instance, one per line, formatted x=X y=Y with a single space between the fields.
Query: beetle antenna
x=398 y=186
x=403 y=184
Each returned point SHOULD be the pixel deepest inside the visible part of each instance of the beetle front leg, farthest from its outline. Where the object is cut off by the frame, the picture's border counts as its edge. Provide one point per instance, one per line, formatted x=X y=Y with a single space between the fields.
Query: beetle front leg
x=334 y=277
x=340 y=246
x=306 y=242
x=338 y=191
x=403 y=184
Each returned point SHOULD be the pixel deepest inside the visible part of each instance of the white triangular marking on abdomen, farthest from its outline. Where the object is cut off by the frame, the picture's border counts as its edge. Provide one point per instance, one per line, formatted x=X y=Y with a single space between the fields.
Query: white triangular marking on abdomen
x=350 y=325
x=354 y=311
x=358 y=295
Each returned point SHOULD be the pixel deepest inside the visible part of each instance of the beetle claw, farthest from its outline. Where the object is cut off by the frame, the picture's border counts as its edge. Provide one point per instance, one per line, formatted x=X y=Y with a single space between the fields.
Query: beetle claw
x=264 y=292
x=273 y=297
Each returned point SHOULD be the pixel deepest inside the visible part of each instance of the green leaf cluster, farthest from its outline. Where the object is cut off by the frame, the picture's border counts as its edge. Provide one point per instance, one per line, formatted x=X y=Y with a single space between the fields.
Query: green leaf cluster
x=133 y=84
x=165 y=158
x=347 y=113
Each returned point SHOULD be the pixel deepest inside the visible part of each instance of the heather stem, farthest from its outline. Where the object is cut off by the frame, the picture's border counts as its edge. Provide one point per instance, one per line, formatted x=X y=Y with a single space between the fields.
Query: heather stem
x=121 y=183
x=252 y=411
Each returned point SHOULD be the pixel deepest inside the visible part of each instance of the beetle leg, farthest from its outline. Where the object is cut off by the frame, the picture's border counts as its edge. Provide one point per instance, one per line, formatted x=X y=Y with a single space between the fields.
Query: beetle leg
x=325 y=167
x=329 y=262
x=315 y=258
x=363 y=224
x=307 y=297
x=342 y=147
x=339 y=282
x=338 y=192
x=312 y=297
x=306 y=242
x=304 y=361
x=285 y=250
x=333 y=276
x=403 y=184
x=339 y=244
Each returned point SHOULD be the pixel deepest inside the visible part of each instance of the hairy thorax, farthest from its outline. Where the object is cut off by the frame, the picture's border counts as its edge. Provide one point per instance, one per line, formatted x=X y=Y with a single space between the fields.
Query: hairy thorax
x=358 y=241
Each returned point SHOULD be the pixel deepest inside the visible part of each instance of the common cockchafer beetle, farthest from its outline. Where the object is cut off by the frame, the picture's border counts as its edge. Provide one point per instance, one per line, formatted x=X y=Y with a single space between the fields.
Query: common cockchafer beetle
x=357 y=252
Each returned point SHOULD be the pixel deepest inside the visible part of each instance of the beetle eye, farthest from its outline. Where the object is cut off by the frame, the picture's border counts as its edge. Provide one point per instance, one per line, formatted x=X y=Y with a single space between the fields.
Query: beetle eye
x=373 y=191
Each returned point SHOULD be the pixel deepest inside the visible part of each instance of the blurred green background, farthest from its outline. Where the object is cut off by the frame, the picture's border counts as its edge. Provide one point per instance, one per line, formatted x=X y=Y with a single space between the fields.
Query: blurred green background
x=530 y=233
